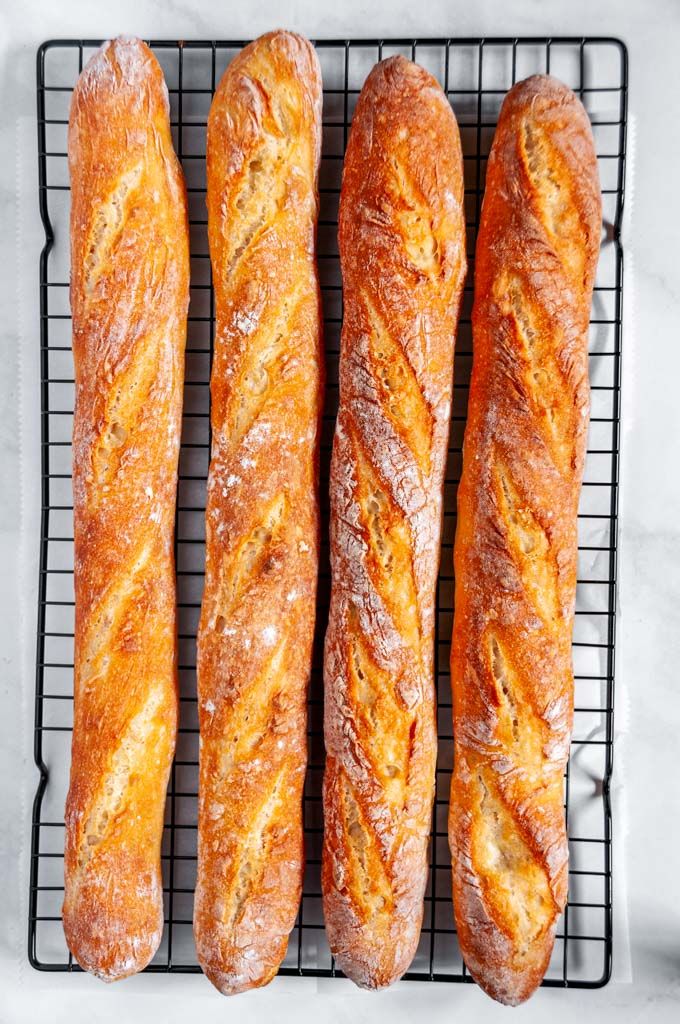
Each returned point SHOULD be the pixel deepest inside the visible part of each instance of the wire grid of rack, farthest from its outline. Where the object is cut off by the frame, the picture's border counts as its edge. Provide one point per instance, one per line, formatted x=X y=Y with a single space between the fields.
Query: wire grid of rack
x=475 y=73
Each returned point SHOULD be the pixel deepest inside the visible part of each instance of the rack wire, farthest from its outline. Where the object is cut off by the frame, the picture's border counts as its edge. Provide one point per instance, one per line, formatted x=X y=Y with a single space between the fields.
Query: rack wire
x=475 y=74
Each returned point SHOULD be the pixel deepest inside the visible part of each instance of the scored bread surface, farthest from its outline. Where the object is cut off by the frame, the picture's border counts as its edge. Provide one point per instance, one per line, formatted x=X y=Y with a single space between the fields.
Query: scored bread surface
x=257 y=616
x=129 y=299
x=402 y=252
x=516 y=539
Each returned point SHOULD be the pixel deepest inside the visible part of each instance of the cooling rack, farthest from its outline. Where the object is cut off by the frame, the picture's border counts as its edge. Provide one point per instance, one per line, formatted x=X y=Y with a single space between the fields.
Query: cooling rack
x=475 y=73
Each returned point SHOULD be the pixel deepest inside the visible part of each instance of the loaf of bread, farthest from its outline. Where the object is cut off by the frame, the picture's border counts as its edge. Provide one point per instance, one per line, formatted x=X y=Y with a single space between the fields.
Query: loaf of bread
x=257 y=616
x=402 y=252
x=516 y=538
x=129 y=299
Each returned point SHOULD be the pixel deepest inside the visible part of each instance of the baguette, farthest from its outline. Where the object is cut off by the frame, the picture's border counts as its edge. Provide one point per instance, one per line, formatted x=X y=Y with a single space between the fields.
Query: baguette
x=516 y=540
x=129 y=299
x=402 y=252
x=257 y=617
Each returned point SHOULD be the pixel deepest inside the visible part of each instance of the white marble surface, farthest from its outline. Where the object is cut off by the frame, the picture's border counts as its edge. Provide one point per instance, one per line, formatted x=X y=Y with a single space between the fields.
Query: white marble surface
x=649 y=564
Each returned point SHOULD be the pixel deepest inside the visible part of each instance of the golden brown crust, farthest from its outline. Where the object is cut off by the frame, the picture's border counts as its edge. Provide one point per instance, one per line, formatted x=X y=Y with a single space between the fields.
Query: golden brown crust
x=516 y=539
x=257 y=617
x=129 y=298
x=402 y=251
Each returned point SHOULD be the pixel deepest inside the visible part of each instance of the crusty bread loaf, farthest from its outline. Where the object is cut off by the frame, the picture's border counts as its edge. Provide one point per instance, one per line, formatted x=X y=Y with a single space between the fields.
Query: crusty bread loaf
x=516 y=539
x=129 y=298
x=402 y=251
x=257 y=617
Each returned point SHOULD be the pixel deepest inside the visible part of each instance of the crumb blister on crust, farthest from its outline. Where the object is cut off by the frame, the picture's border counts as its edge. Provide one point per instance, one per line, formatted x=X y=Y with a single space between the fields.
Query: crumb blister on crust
x=402 y=252
x=516 y=540
x=257 y=616
x=129 y=300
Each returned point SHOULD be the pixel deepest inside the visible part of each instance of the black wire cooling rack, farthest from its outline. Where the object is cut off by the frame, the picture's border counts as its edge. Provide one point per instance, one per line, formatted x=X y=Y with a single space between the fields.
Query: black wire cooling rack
x=475 y=73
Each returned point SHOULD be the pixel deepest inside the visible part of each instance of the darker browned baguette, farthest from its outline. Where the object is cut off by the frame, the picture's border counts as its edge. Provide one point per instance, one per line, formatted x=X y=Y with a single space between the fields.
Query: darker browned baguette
x=402 y=251
x=516 y=539
x=257 y=616
x=129 y=298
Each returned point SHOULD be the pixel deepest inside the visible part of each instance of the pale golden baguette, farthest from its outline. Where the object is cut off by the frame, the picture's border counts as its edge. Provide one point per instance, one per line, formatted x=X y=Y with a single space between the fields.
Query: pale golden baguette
x=257 y=616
